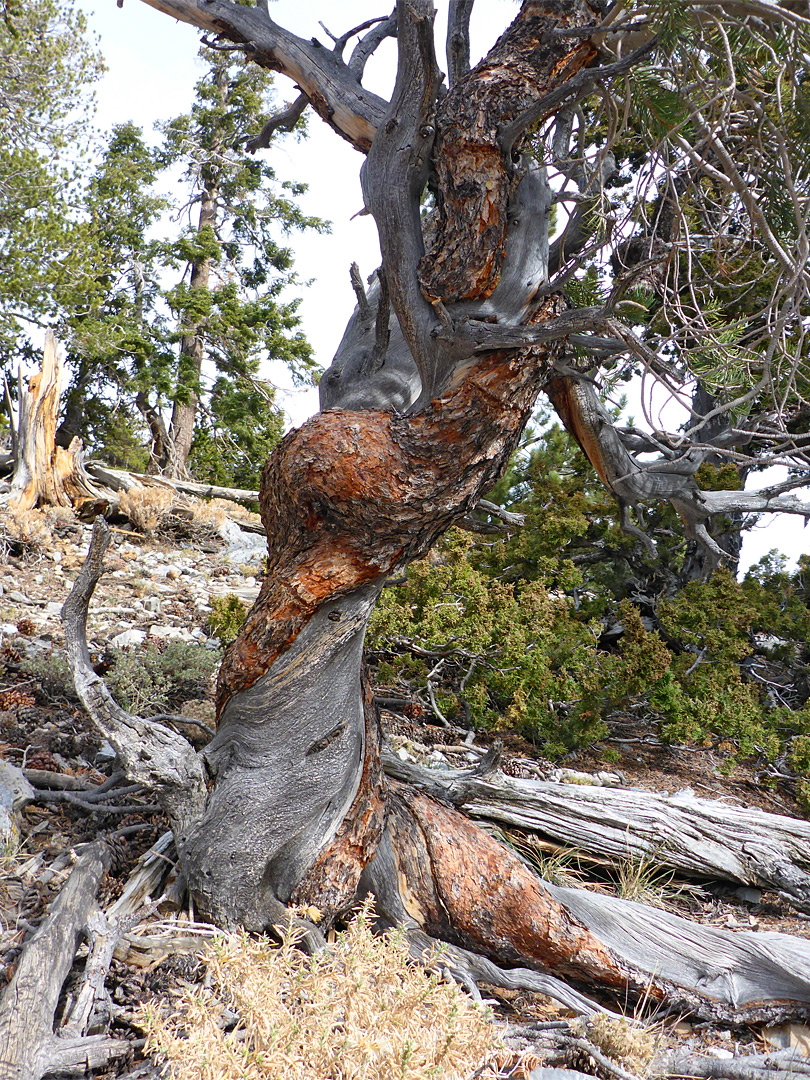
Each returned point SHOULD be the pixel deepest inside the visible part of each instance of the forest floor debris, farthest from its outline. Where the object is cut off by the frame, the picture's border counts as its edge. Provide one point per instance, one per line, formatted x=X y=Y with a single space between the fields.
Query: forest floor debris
x=159 y=591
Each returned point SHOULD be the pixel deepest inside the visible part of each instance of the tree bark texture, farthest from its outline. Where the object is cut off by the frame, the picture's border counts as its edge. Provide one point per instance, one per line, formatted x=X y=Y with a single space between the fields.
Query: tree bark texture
x=707 y=839
x=288 y=805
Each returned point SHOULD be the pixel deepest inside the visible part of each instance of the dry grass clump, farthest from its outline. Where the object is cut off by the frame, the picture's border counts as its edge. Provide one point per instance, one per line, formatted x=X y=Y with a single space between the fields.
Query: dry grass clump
x=147 y=507
x=625 y=1040
x=30 y=529
x=362 y=1010
x=208 y=515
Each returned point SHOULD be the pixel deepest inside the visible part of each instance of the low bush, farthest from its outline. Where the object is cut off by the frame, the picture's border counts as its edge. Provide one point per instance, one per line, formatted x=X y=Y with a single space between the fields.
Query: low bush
x=154 y=679
x=362 y=1008
x=147 y=679
x=226 y=618
x=147 y=507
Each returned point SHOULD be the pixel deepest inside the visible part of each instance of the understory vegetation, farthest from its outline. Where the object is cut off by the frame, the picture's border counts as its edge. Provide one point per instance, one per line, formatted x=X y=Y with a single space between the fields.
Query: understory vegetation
x=570 y=631
x=360 y=1009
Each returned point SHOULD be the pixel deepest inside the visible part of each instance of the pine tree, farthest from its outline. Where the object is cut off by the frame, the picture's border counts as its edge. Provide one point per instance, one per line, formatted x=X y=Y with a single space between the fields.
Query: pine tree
x=47 y=68
x=116 y=323
x=228 y=304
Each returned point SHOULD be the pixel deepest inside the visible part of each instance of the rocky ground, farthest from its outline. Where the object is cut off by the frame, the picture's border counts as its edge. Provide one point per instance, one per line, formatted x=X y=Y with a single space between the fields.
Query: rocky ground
x=158 y=590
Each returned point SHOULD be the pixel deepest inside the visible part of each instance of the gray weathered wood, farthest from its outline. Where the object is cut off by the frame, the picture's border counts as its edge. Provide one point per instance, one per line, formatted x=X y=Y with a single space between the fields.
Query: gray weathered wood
x=706 y=838
x=29 y=1049
x=152 y=753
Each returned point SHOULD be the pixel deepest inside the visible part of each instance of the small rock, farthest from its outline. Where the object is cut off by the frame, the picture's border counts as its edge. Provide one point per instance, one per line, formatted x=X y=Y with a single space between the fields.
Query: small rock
x=151 y=603
x=105 y=754
x=17 y=597
x=170 y=632
x=8 y=628
x=128 y=637
x=53 y=608
x=750 y=896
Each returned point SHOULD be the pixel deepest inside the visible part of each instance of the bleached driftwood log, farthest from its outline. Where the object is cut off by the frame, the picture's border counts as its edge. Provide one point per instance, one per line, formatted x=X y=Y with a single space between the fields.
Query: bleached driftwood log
x=704 y=838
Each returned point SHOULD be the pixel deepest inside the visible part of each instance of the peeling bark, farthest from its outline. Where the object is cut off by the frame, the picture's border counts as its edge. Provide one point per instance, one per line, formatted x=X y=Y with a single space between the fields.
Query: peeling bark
x=475 y=179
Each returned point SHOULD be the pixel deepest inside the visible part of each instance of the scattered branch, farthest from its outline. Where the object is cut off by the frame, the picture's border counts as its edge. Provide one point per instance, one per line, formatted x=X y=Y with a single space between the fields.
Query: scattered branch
x=28 y=1046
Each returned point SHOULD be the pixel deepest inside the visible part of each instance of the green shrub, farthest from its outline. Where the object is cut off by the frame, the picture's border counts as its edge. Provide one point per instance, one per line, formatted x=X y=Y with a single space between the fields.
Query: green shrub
x=52 y=671
x=151 y=679
x=226 y=618
x=512 y=655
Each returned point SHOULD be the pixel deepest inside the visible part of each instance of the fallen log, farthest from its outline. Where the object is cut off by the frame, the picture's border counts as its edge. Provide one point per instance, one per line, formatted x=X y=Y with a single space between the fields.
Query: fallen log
x=121 y=480
x=702 y=838
x=29 y=1048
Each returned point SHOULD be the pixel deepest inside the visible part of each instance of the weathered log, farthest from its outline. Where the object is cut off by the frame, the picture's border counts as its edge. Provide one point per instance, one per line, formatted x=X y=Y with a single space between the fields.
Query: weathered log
x=29 y=1048
x=15 y=793
x=122 y=480
x=740 y=1067
x=706 y=838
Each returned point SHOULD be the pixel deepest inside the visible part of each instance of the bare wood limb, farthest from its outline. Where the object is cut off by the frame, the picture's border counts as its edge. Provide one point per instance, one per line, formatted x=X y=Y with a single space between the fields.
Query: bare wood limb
x=363 y=305
x=332 y=88
x=368 y=44
x=458 y=40
x=28 y=1046
x=152 y=754
x=282 y=121
x=741 y=1067
x=393 y=178
x=120 y=479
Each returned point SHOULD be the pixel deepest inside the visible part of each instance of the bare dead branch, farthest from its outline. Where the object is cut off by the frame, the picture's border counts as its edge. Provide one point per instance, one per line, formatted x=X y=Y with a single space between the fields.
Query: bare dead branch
x=394 y=176
x=360 y=292
x=458 y=40
x=152 y=754
x=367 y=45
x=282 y=121
x=29 y=1048
x=336 y=95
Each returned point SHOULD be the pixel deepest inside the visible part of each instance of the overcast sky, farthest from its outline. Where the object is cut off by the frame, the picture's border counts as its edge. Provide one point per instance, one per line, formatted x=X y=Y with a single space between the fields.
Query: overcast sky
x=152 y=68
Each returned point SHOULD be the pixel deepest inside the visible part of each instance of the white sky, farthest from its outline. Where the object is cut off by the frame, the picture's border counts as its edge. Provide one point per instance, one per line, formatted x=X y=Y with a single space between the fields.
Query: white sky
x=153 y=67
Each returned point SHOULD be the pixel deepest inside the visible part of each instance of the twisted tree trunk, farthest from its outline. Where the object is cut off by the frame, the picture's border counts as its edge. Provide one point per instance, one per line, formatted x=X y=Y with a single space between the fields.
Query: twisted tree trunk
x=287 y=808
